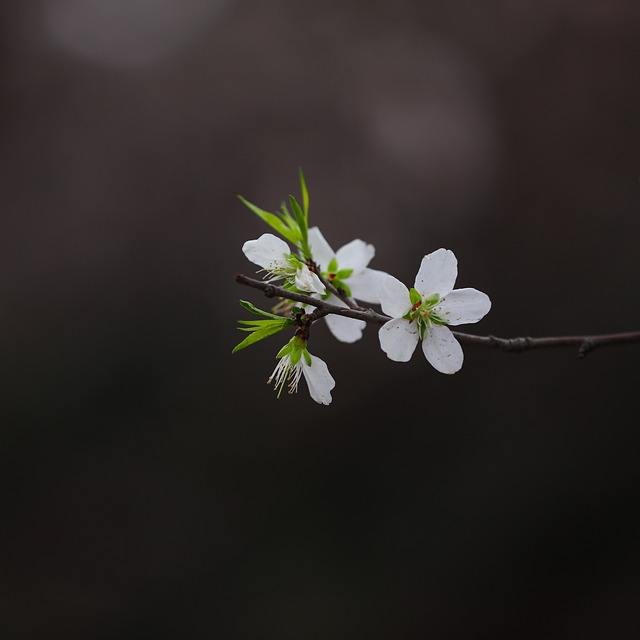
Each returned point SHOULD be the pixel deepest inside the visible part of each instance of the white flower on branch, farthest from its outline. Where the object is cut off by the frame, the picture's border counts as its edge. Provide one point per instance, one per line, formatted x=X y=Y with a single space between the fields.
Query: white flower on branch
x=275 y=257
x=424 y=312
x=294 y=361
x=347 y=269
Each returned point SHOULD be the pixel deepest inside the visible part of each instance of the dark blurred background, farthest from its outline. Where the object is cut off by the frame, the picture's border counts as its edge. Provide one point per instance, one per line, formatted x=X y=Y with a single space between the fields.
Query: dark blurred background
x=151 y=484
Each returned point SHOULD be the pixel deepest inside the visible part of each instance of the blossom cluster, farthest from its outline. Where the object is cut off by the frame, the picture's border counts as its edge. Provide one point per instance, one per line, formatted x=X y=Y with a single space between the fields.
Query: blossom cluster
x=301 y=261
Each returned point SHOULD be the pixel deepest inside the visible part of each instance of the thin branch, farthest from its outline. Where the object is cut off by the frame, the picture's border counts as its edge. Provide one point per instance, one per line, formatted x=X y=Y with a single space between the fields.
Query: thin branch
x=584 y=344
x=273 y=291
x=339 y=293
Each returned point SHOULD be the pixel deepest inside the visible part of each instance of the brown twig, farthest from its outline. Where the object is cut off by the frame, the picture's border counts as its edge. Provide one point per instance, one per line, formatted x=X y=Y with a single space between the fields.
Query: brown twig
x=339 y=293
x=584 y=344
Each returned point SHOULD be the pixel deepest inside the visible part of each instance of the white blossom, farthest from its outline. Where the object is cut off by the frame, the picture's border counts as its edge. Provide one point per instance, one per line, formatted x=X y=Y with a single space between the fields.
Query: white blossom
x=294 y=362
x=275 y=257
x=425 y=313
x=347 y=268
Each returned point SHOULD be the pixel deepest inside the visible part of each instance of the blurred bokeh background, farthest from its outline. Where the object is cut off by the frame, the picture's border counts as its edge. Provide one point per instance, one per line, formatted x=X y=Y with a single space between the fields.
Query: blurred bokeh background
x=151 y=485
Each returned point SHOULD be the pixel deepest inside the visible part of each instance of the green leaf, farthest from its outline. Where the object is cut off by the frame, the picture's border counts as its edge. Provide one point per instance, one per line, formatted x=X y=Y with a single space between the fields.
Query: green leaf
x=301 y=219
x=267 y=328
x=297 y=211
x=273 y=221
x=250 y=307
x=305 y=194
x=252 y=325
x=291 y=222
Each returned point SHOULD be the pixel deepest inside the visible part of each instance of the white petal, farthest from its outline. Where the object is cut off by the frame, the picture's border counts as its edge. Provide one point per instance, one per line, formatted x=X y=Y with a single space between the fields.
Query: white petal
x=347 y=330
x=464 y=306
x=366 y=285
x=394 y=297
x=307 y=280
x=398 y=339
x=319 y=380
x=320 y=250
x=267 y=251
x=437 y=274
x=355 y=255
x=442 y=350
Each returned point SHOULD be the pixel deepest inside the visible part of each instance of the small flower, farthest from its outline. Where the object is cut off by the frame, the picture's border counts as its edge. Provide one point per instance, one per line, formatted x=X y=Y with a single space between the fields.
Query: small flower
x=347 y=269
x=424 y=312
x=275 y=257
x=294 y=360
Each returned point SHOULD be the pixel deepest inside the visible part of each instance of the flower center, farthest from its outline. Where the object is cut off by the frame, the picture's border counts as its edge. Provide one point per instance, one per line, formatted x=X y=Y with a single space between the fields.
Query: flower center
x=337 y=276
x=424 y=311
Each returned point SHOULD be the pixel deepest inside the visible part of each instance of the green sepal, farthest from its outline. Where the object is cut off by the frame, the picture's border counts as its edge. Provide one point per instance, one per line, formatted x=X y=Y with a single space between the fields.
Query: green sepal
x=436 y=319
x=307 y=357
x=285 y=350
x=294 y=358
x=414 y=296
x=295 y=260
x=422 y=327
x=432 y=299
x=338 y=284
x=343 y=274
x=332 y=267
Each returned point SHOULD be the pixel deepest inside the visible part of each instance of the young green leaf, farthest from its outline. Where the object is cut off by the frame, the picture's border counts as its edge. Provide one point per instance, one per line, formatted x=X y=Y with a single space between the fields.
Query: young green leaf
x=273 y=221
x=301 y=219
x=261 y=329
x=250 y=307
x=305 y=194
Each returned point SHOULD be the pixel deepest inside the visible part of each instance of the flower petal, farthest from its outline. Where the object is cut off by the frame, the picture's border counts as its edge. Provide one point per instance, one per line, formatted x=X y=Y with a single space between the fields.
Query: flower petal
x=398 y=339
x=347 y=330
x=344 y=329
x=437 y=274
x=464 y=306
x=355 y=255
x=319 y=380
x=308 y=281
x=268 y=251
x=442 y=350
x=366 y=285
x=394 y=297
x=320 y=250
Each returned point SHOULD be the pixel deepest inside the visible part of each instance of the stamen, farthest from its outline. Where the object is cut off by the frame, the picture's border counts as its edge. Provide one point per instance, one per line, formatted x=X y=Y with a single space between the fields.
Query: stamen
x=284 y=372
